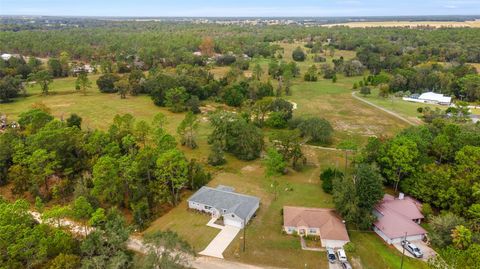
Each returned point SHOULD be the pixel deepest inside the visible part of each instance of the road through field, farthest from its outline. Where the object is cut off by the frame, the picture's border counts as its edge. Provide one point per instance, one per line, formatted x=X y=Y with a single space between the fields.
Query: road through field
x=384 y=109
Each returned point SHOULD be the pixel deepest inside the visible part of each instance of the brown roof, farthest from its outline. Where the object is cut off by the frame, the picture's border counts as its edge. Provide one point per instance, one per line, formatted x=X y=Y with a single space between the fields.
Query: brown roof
x=397 y=217
x=407 y=207
x=330 y=225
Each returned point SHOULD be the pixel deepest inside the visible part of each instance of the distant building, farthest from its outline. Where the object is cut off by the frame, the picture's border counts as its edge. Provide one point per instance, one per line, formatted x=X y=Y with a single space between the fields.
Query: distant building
x=83 y=68
x=235 y=208
x=430 y=98
x=7 y=56
x=398 y=219
x=322 y=222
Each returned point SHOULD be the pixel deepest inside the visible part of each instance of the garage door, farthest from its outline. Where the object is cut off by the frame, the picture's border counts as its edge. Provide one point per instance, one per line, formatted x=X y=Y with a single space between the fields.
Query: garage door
x=233 y=223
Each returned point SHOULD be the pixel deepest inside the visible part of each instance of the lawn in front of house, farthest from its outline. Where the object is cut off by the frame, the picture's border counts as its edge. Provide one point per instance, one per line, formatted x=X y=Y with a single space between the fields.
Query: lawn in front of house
x=372 y=253
x=266 y=244
x=187 y=223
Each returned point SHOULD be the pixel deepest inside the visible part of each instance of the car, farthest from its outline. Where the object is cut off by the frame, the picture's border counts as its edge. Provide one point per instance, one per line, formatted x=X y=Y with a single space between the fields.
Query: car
x=342 y=257
x=346 y=265
x=412 y=248
x=331 y=255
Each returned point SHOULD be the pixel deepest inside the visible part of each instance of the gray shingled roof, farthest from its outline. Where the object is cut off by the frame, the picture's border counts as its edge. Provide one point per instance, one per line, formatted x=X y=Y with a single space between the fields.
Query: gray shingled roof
x=220 y=198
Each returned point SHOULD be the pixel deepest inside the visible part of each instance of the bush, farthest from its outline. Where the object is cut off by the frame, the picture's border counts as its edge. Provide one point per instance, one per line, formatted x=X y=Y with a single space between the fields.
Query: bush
x=427 y=210
x=216 y=156
x=316 y=130
x=106 y=83
x=298 y=55
x=319 y=59
x=349 y=247
x=225 y=60
x=327 y=177
x=276 y=120
x=365 y=90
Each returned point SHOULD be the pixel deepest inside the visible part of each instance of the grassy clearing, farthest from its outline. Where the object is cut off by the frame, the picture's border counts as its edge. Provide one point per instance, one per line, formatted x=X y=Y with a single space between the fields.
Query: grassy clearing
x=374 y=253
x=350 y=118
x=289 y=47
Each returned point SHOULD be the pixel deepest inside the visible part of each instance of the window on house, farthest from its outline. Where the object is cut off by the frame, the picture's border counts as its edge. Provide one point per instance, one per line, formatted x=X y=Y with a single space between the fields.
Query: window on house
x=312 y=231
x=208 y=207
x=233 y=216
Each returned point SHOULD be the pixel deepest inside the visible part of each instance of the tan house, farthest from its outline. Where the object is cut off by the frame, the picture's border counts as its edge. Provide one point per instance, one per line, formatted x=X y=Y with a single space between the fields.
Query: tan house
x=322 y=222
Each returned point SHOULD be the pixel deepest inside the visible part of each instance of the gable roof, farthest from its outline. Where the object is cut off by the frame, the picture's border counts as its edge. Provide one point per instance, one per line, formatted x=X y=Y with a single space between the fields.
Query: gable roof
x=330 y=225
x=407 y=207
x=397 y=217
x=223 y=197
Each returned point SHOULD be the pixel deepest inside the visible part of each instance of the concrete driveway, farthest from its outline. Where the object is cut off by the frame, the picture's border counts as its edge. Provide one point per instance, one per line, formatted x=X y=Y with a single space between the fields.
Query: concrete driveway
x=335 y=265
x=428 y=252
x=221 y=241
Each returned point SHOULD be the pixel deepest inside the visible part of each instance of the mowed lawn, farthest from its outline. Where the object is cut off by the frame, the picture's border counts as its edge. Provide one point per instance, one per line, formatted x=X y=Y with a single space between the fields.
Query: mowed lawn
x=371 y=252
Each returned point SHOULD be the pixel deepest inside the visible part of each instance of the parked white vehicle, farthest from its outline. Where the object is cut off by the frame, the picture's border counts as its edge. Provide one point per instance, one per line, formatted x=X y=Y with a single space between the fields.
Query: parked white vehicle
x=342 y=257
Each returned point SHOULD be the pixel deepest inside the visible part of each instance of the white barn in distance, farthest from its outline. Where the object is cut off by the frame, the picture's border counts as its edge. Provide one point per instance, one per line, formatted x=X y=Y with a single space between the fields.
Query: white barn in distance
x=430 y=98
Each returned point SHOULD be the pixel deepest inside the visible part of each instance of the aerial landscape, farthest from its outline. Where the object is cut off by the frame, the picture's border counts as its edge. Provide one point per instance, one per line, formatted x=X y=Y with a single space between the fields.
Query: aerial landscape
x=244 y=135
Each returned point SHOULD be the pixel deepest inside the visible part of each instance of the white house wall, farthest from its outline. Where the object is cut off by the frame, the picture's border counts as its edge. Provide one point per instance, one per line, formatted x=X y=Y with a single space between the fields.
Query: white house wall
x=397 y=239
x=333 y=243
x=201 y=207
x=233 y=220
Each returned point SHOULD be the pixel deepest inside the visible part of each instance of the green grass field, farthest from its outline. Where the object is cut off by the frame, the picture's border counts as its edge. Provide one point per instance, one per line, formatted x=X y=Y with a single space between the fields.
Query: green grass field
x=350 y=118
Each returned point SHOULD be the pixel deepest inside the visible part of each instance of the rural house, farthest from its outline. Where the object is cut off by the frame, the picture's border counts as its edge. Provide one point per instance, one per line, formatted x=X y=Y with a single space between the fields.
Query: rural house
x=235 y=208
x=322 y=222
x=397 y=218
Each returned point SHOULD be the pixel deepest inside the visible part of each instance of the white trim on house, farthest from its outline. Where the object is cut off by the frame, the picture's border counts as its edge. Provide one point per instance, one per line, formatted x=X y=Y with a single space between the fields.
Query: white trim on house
x=236 y=209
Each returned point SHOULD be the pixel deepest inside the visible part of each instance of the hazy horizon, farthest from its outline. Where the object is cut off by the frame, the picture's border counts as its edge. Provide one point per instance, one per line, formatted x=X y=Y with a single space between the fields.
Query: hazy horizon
x=246 y=8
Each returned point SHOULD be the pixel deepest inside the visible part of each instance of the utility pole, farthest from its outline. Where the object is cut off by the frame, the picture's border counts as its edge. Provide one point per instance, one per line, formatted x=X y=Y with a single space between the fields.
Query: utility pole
x=403 y=246
x=244 y=233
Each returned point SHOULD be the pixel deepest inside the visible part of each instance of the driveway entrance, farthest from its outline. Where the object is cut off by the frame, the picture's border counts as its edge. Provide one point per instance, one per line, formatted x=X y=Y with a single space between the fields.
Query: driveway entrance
x=221 y=241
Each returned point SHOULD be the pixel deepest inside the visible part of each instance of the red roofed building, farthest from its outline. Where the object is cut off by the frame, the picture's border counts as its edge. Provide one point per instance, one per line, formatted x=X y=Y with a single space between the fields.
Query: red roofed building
x=397 y=218
x=322 y=222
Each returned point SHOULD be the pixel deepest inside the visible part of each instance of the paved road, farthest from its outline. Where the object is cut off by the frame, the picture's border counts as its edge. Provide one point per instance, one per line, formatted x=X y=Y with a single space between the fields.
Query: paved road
x=136 y=244
x=384 y=110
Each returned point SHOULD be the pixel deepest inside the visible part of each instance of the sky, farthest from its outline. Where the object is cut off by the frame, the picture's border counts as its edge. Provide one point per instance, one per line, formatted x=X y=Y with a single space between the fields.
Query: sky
x=236 y=8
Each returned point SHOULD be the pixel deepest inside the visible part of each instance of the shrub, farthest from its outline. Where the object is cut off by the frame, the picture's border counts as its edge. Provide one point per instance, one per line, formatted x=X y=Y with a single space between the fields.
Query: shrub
x=327 y=177
x=226 y=59
x=319 y=59
x=106 y=83
x=349 y=247
x=298 y=55
x=316 y=130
